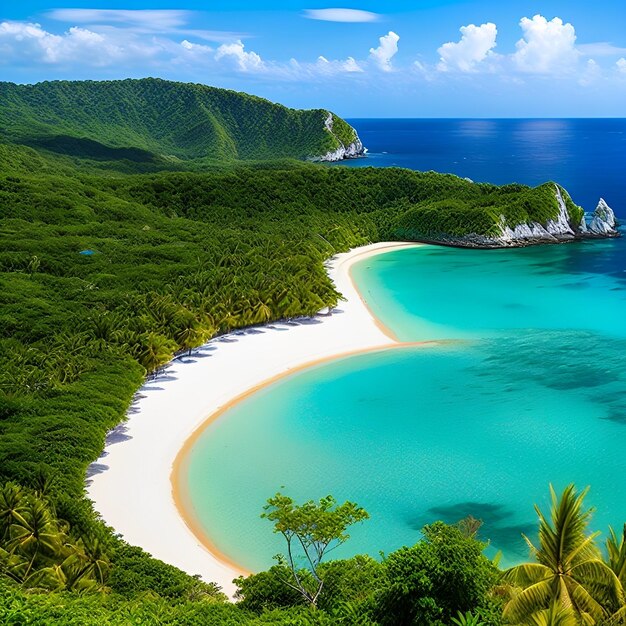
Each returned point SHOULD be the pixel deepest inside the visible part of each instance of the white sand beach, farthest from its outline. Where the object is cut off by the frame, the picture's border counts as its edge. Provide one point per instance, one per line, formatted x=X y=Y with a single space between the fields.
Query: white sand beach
x=131 y=484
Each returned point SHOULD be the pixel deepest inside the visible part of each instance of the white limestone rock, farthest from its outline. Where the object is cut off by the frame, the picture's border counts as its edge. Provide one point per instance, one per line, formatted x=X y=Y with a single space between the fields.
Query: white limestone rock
x=557 y=229
x=603 y=220
x=560 y=227
x=524 y=232
x=351 y=151
x=603 y=224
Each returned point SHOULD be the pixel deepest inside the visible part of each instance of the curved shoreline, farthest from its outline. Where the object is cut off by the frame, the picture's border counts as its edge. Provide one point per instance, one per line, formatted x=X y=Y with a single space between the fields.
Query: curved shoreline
x=135 y=485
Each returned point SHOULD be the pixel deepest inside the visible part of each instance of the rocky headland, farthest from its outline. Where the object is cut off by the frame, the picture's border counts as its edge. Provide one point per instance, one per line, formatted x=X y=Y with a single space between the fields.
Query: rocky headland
x=350 y=148
x=600 y=224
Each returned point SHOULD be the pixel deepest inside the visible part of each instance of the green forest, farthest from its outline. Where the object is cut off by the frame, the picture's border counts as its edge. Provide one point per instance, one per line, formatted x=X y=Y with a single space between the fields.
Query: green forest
x=158 y=122
x=138 y=220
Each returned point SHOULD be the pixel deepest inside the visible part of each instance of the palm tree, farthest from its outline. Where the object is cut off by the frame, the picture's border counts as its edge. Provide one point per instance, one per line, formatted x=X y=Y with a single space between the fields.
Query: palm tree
x=34 y=533
x=569 y=571
x=554 y=615
x=153 y=350
x=616 y=560
x=12 y=504
x=190 y=335
x=96 y=563
x=616 y=554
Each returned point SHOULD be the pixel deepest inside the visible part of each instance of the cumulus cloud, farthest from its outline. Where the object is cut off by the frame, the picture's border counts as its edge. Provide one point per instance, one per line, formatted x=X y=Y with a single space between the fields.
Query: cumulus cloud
x=195 y=47
x=162 y=40
x=349 y=65
x=341 y=15
x=476 y=45
x=546 y=47
x=388 y=46
x=245 y=61
x=23 y=42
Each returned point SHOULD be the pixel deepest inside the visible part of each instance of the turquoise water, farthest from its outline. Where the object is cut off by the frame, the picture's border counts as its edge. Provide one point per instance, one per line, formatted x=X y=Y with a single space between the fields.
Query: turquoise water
x=532 y=392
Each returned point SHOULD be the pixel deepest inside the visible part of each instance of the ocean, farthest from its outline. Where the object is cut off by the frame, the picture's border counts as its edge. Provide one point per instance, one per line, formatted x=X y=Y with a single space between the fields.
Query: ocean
x=527 y=388
x=586 y=156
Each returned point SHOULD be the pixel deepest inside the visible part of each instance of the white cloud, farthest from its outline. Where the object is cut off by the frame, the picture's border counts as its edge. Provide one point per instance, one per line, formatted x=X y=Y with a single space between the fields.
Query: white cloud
x=157 y=20
x=341 y=15
x=591 y=74
x=246 y=61
x=386 y=50
x=142 y=21
x=476 y=45
x=546 y=47
x=350 y=65
x=195 y=47
x=23 y=42
x=600 y=49
x=621 y=65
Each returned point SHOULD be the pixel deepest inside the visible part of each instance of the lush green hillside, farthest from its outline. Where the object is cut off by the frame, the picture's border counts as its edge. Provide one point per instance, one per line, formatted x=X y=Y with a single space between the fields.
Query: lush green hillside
x=107 y=271
x=177 y=257
x=152 y=120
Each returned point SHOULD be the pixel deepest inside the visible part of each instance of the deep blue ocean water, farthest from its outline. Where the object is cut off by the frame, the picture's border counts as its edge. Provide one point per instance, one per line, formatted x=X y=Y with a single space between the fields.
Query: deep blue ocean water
x=530 y=389
x=586 y=156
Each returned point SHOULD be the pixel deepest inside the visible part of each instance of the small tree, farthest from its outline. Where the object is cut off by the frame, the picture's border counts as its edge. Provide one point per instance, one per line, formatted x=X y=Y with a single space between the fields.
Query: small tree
x=316 y=529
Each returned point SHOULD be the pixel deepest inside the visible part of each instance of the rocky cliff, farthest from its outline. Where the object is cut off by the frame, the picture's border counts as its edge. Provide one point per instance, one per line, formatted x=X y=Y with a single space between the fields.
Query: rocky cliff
x=350 y=146
x=564 y=227
x=603 y=222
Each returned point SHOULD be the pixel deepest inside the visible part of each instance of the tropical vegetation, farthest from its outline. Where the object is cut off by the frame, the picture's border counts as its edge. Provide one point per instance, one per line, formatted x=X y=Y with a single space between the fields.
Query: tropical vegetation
x=569 y=577
x=137 y=221
x=159 y=123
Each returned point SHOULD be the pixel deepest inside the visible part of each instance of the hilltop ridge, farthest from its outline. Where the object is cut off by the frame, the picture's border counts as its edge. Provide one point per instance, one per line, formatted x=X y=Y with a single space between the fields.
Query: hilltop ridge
x=152 y=120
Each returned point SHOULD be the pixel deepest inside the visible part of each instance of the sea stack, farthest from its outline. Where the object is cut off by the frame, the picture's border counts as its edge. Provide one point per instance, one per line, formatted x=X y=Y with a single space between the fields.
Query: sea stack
x=603 y=222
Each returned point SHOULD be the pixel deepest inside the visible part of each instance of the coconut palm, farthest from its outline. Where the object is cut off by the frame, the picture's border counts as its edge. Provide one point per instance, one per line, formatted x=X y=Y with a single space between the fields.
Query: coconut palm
x=568 y=571
x=94 y=559
x=616 y=554
x=153 y=350
x=34 y=533
x=12 y=505
x=616 y=560
x=554 y=615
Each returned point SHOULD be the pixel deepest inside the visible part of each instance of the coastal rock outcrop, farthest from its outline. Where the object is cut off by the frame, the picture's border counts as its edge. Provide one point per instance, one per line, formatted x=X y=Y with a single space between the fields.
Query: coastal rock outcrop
x=349 y=150
x=603 y=222
x=563 y=227
x=557 y=229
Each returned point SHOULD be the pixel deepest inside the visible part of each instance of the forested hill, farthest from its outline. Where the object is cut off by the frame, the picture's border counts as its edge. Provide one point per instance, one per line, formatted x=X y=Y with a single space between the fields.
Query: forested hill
x=153 y=120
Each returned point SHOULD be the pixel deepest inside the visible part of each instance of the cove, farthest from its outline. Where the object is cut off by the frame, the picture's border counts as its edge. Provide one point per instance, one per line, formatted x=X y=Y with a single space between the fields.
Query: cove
x=528 y=388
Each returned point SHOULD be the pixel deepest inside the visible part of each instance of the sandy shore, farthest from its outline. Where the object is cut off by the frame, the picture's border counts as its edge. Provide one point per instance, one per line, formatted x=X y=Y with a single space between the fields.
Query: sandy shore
x=131 y=484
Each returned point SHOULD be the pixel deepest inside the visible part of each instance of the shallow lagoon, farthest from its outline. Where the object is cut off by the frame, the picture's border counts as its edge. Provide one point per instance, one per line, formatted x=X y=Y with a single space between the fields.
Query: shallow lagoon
x=531 y=391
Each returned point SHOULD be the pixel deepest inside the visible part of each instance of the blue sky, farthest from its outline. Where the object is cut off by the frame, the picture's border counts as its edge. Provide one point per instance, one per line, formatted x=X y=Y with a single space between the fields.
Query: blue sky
x=428 y=58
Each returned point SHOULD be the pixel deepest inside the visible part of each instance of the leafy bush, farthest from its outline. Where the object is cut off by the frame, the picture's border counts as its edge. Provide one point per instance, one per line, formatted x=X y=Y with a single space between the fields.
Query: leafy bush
x=441 y=575
x=135 y=572
x=267 y=590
